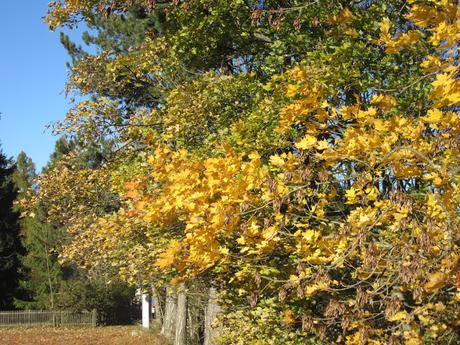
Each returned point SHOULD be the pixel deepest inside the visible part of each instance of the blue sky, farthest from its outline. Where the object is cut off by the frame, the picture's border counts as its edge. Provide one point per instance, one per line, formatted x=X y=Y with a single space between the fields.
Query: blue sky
x=32 y=79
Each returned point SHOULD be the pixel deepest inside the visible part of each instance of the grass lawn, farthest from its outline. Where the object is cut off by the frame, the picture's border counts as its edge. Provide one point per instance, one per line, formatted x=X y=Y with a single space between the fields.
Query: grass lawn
x=120 y=335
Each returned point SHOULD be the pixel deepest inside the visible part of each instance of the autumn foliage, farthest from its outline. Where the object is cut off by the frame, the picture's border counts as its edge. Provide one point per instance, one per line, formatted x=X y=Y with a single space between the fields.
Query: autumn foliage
x=315 y=184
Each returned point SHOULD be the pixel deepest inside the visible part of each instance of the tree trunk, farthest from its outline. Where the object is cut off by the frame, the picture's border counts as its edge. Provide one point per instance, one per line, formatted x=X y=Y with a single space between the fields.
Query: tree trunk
x=195 y=320
x=212 y=311
x=170 y=314
x=181 y=318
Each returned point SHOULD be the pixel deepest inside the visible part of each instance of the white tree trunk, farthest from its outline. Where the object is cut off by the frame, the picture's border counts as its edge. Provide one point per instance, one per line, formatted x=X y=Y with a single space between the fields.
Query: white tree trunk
x=181 y=317
x=212 y=311
x=170 y=314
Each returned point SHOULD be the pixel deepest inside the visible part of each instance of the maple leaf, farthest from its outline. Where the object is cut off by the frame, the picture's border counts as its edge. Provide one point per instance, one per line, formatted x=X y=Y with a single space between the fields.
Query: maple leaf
x=399 y=316
x=433 y=116
x=277 y=161
x=307 y=142
x=436 y=281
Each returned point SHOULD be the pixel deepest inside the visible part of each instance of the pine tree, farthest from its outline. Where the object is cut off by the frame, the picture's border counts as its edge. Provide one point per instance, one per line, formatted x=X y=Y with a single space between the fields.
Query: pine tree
x=47 y=283
x=42 y=270
x=10 y=244
x=118 y=35
x=24 y=176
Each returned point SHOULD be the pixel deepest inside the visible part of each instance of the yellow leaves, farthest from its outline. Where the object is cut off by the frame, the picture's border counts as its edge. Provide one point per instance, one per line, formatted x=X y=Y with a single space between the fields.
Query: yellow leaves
x=345 y=16
x=298 y=73
x=399 y=316
x=351 y=196
x=372 y=193
x=385 y=102
x=151 y=160
x=446 y=88
x=290 y=114
x=322 y=145
x=312 y=288
x=206 y=196
x=366 y=116
x=404 y=40
x=351 y=32
x=310 y=236
x=283 y=160
x=400 y=213
x=277 y=161
x=435 y=177
x=394 y=45
x=270 y=232
x=385 y=26
x=356 y=339
x=361 y=217
x=254 y=157
x=307 y=142
x=435 y=282
x=445 y=35
x=435 y=208
x=309 y=99
x=288 y=317
x=224 y=250
x=431 y=64
x=291 y=90
x=433 y=116
x=412 y=337
x=131 y=190
x=356 y=211
x=424 y=16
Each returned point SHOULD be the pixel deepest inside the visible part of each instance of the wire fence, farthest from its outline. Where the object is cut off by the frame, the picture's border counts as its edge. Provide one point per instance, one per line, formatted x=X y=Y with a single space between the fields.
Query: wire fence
x=59 y=318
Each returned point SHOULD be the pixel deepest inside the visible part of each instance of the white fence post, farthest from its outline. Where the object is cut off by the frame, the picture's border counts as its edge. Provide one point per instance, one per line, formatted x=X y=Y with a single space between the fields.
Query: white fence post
x=146 y=310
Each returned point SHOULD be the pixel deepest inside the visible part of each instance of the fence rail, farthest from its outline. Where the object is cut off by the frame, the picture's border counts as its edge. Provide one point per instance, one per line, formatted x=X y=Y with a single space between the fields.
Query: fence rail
x=57 y=318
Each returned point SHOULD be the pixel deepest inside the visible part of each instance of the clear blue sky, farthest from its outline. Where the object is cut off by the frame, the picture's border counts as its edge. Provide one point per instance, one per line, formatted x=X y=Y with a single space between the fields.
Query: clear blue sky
x=32 y=78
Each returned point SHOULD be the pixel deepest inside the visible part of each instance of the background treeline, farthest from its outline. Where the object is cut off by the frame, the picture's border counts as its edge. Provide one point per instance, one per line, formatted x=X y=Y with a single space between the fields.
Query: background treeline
x=32 y=277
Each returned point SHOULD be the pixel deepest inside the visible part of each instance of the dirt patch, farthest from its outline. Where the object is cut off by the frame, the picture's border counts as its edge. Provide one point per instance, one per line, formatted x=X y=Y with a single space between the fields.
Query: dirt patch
x=78 y=336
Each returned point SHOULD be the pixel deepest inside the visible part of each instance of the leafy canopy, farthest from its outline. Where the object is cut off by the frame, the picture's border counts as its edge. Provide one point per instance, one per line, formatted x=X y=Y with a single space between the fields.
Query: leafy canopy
x=303 y=156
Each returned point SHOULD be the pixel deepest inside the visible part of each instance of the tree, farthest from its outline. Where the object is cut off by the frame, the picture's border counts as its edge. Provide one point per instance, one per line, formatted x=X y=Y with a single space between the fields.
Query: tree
x=10 y=243
x=24 y=175
x=302 y=157
x=41 y=241
x=48 y=283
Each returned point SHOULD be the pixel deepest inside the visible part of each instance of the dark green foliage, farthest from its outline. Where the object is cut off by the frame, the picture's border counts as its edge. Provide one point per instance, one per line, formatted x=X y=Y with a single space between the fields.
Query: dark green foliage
x=24 y=175
x=44 y=276
x=41 y=268
x=41 y=263
x=10 y=244
x=114 y=301
x=62 y=147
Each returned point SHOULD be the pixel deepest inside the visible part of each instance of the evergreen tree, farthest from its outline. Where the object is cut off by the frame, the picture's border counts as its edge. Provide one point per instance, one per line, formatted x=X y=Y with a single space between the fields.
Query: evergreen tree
x=10 y=244
x=61 y=148
x=47 y=283
x=42 y=270
x=24 y=176
x=117 y=35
